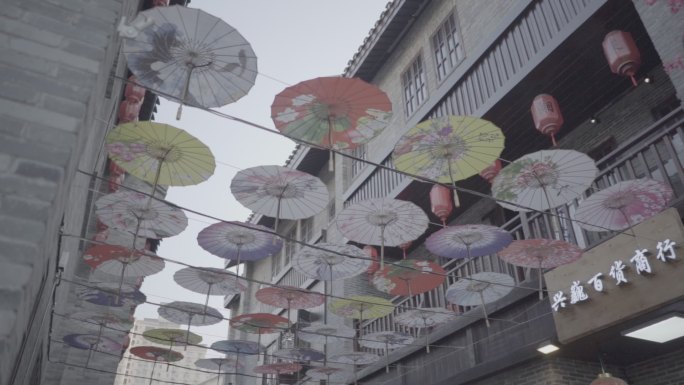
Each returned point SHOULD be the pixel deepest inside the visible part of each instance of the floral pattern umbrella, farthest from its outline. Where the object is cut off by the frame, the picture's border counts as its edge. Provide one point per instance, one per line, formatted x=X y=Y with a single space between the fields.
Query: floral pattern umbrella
x=320 y=333
x=188 y=55
x=355 y=358
x=623 y=205
x=424 y=318
x=467 y=241
x=480 y=289
x=278 y=368
x=99 y=320
x=122 y=262
x=209 y=281
x=361 y=307
x=155 y=354
x=540 y=254
x=384 y=222
x=141 y=215
x=239 y=241
x=386 y=340
x=544 y=180
x=280 y=192
x=190 y=313
x=335 y=112
x=104 y=294
x=449 y=148
x=409 y=277
x=172 y=337
x=299 y=354
x=160 y=154
x=260 y=323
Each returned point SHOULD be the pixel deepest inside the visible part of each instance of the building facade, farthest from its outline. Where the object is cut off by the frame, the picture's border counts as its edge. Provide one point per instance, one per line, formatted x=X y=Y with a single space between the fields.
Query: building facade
x=490 y=59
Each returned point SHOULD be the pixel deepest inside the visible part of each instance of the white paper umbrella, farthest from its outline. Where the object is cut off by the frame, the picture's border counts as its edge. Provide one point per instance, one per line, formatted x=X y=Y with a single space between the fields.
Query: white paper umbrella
x=328 y=373
x=543 y=180
x=134 y=212
x=239 y=241
x=386 y=340
x=280 y=192
x=209 y=281
x=384 y=222
x=190 y=313
x=329 y=261
x=319 y=333
x=423 y=318
x=623 y=205
x=480 y=289
x=189 y=55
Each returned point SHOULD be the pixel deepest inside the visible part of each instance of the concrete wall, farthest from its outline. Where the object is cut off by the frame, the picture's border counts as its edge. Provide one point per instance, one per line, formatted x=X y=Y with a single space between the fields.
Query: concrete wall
x=54 y=110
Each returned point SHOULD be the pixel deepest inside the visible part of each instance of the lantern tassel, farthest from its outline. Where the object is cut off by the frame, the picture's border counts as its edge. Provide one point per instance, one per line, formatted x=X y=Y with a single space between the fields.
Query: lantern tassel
x=634 y=81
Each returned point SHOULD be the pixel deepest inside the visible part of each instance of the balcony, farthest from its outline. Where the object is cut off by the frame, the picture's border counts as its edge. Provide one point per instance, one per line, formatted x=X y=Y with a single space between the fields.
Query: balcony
x=656 y=152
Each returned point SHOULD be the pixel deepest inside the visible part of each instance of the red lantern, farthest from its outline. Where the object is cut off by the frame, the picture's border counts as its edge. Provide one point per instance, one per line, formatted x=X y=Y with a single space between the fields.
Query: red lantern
x=372 y=252
x=547 y=115
x=441 y=203
x=622 y=54
x=606 y=379
x=134 y=92
x=160 y=3
x=129 y=111
x=492 y=171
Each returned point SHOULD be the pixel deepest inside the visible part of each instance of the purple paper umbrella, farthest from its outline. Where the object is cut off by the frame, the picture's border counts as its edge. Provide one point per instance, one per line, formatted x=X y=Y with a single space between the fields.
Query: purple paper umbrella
x=92 y=342
x=104 y=294
x=466 y=241
x=239 y=241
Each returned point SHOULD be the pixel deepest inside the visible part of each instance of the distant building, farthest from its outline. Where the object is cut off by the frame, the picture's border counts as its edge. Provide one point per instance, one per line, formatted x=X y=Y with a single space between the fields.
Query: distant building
x=178 y=371
x=490 y=59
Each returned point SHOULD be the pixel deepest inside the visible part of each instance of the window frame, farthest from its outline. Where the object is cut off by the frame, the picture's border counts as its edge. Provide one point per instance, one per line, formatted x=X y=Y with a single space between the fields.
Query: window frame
x=447 y=58
x=414 y=85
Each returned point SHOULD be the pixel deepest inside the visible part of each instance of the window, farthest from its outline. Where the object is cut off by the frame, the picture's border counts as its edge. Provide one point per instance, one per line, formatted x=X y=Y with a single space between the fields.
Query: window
x=357 y=164
x=413 y=81
x=446 y=45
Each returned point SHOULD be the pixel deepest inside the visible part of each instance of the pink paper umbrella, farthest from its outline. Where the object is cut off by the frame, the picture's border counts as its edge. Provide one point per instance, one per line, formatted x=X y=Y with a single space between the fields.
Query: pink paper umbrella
x=425 y=317
x=623 y=205
x=156 y=354
x=239 y=241
x=278 y=368
x=540 y=254
x=260 y=323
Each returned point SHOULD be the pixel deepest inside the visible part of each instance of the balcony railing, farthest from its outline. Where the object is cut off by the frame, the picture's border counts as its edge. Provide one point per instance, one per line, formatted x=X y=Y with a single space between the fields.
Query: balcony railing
x=657 y=152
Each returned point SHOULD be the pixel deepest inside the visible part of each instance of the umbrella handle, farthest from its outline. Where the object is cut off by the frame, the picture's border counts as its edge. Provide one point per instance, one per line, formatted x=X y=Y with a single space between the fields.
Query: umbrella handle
x=121 y=279
x=238 y=261
x=382 y=246
x=484 y=310
x=218 y=375
x=427 y=341
x=386 y=357
x=277 y=218
x=541 y=285
x=187 y=335
x=152 y=373
x=168 y=352
x=331 y=160
x=457 y=202
x=186 y=86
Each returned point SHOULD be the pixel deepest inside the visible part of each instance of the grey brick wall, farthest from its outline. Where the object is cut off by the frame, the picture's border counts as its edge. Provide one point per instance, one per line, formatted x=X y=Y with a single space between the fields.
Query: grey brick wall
x=667 y=369
x=56 y=60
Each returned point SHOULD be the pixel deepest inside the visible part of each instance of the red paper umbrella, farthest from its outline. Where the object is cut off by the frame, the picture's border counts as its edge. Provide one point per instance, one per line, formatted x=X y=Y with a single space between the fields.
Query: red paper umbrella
x=259 y=323
x=155 y=354
x=289 y=297
x=409 y=277
x=540 y=254
x=278 y=368
x=335 y=112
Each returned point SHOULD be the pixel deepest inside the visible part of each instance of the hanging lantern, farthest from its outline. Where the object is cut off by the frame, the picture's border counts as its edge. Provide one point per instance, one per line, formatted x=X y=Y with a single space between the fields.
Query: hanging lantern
x=441 y=203
x=133 y=92
x=405 y=246
x=160 y=3
x=622 y=54
x=372 y=252
x=129 y=111
x=547 y=115
x=491 y=172
x=606 y=379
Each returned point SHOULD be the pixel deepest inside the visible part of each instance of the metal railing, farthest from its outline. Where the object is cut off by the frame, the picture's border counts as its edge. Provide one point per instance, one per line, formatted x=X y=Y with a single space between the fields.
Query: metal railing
x=656 y=152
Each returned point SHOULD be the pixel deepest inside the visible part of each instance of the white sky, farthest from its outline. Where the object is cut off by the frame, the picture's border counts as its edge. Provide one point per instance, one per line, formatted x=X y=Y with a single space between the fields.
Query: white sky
x=294 y=40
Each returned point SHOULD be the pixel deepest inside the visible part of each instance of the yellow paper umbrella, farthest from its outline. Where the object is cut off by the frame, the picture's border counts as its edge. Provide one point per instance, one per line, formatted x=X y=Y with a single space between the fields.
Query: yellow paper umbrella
x=160 y=153
x=449 y=148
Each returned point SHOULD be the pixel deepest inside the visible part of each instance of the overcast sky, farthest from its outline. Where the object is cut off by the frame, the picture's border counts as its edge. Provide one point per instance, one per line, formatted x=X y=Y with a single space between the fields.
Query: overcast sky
x=294 y=40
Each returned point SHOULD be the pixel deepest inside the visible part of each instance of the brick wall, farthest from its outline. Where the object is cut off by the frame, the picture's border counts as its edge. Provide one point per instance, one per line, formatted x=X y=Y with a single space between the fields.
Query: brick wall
x=56 y=60
x=667 y=369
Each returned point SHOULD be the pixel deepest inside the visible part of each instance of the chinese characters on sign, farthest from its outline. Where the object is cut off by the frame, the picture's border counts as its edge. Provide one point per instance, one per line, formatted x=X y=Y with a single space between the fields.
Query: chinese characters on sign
x=665 y=252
